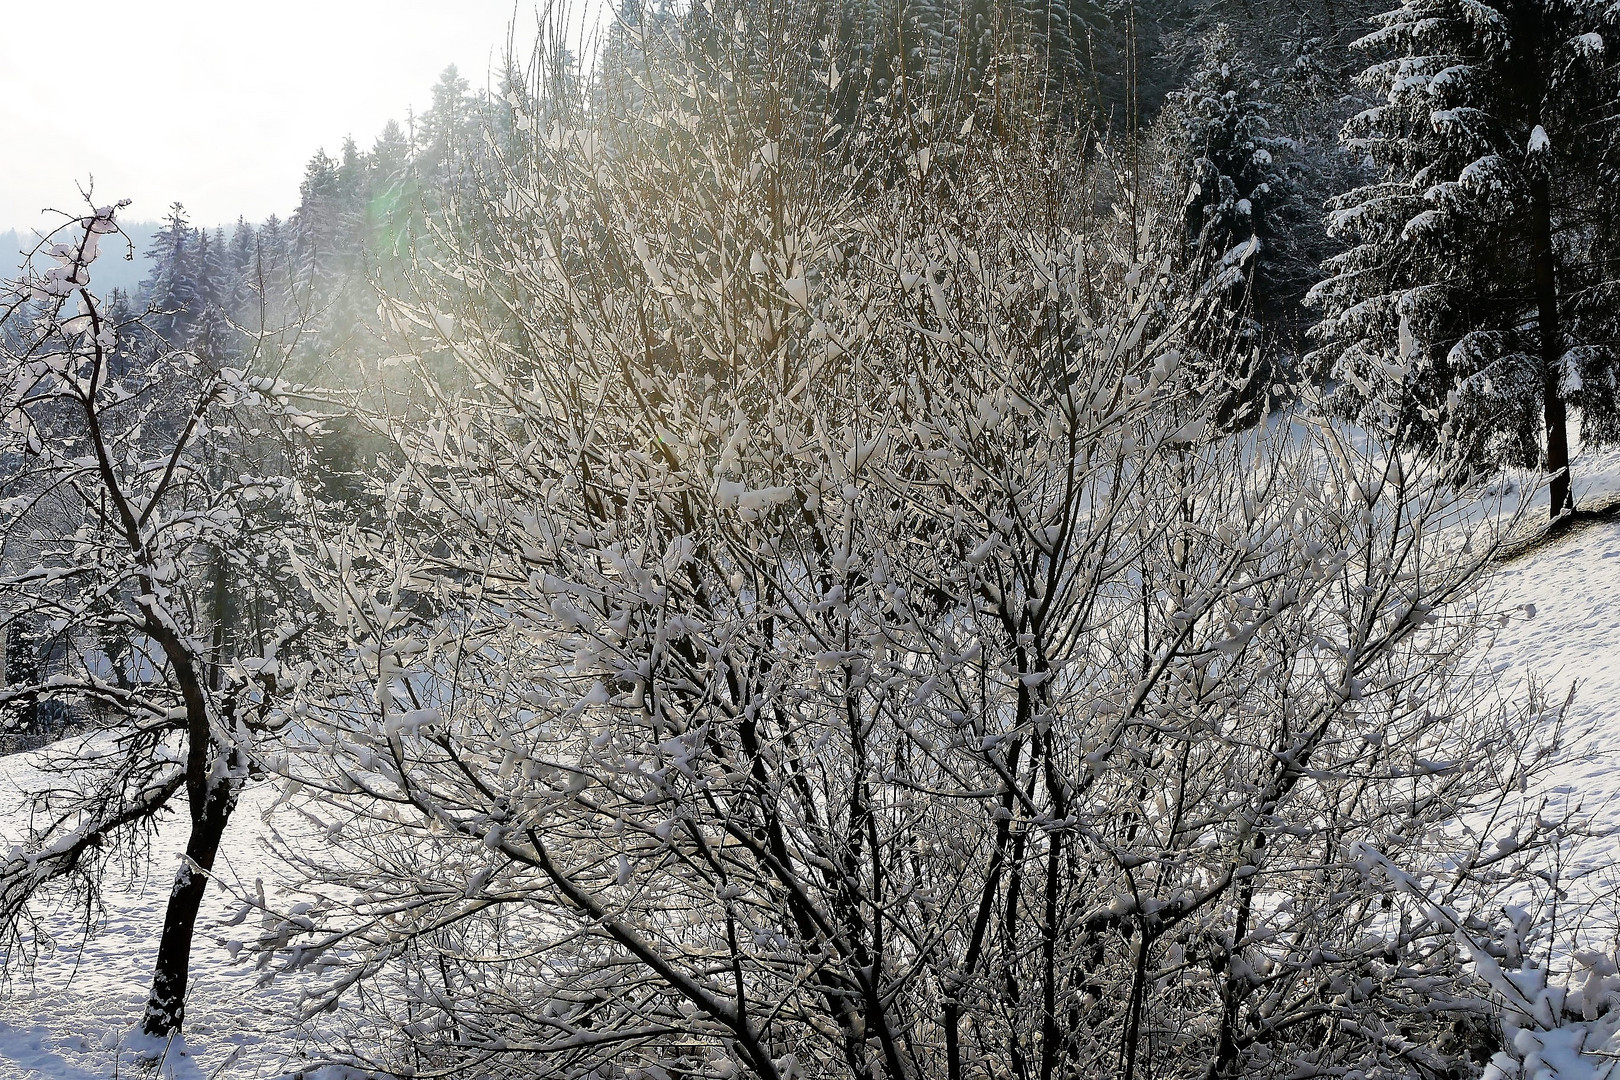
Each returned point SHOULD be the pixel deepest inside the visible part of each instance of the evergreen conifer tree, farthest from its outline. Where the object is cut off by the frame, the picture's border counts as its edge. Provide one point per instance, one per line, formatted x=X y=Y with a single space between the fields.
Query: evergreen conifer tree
x=271 y=275
x=350 y=191
x=447 y=131
x=216 y=285
x=244 y=297
x=317 y=227
x=1464 y=297
x=1241 y=212
x=171 y=287
x=389 y=156
x=1234 y=165
x=128 y=333
x=390 y=188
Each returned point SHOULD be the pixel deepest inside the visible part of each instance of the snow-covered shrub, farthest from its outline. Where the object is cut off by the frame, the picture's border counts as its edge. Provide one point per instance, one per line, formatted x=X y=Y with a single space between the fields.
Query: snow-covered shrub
x=1551 y=1024
x=1552 y=1031
x=813 y=627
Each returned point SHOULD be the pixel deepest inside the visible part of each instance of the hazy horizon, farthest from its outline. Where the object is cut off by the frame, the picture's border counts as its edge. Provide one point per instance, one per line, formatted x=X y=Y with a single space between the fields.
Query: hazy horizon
x=219 y=107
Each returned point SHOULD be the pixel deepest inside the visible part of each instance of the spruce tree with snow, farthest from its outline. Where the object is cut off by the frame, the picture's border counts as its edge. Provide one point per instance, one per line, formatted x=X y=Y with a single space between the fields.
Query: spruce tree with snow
x=1465 y=295
x=215 y=285
x=244 y=242
x=388 y=160
x=447 y=139
x=121 y=312
x=1240 y=207
x=171 y=288
x=316 y=227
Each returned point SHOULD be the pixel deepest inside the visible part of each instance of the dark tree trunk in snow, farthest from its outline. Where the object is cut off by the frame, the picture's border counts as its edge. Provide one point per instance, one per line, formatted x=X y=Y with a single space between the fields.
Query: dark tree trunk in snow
x=1533 y=88
x=166 y=1007
x=213 y=777
x=1554 y=412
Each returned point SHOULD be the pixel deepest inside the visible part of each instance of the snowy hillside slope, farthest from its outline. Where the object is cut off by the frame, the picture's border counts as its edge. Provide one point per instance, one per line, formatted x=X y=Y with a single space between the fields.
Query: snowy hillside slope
x=1560 y=624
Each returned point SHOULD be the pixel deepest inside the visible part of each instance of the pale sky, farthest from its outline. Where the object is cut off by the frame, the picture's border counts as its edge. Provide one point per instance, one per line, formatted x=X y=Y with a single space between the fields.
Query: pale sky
x=216 y=103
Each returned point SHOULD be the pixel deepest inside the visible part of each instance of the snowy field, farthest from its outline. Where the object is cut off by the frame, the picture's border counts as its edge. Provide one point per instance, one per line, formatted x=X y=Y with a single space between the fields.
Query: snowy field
x=1572 y=639
x=70 y=1019
x=1560 y=626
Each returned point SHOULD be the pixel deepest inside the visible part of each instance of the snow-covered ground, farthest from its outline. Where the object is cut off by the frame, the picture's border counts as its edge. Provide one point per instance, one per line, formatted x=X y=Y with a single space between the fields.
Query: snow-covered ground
x=69 y=1018
x=1561 y=628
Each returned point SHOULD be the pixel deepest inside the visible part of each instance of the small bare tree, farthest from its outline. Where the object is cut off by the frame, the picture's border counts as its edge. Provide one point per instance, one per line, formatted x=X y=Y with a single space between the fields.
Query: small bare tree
x=140 y=502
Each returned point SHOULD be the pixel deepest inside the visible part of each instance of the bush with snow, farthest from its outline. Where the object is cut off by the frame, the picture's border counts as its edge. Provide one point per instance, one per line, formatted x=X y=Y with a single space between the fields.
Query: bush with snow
x=812 y=625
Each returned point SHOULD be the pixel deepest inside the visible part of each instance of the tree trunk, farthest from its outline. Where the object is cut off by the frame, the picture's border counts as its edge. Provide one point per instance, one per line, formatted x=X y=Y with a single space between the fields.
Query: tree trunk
x=213 y=797
x=1558 y=490
x=1553 y=411
x=166 y=1007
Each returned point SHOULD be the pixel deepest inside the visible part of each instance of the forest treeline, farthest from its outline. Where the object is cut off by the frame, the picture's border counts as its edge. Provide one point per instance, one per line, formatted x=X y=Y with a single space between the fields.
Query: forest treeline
x=1432 y=182
x=1238 y=106
x=762 y=557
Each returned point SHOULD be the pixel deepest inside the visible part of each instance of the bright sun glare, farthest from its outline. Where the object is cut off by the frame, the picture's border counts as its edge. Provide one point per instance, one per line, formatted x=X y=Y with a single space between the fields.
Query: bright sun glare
x=218 y=105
